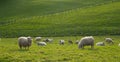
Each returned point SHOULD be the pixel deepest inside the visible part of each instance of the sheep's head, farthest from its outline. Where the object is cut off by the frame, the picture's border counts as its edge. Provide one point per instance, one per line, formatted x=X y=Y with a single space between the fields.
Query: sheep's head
x=80 y=45
x=29 y=40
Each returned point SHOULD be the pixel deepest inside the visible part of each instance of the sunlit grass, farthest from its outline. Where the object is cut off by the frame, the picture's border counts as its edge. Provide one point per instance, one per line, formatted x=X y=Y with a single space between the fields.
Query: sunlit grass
x=9 y=51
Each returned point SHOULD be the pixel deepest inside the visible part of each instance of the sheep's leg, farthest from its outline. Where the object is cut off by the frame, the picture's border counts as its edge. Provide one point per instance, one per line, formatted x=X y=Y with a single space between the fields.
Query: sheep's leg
x=20 y=47
x=112 y=42
x=25 y=48
x=83 y=47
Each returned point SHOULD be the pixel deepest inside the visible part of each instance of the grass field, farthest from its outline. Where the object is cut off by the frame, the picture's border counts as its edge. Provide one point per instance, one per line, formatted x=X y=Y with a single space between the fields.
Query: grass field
x=10 y=8
x=10 y=52
x=59 y=18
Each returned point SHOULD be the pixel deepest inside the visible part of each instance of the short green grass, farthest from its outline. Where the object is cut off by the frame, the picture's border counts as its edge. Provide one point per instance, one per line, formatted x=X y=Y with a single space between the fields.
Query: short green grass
x=10 y=52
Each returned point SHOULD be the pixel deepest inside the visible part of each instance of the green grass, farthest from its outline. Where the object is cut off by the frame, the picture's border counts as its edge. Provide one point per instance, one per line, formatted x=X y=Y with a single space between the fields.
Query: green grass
x=10 y=52
x=10 y=8
x=73 y=18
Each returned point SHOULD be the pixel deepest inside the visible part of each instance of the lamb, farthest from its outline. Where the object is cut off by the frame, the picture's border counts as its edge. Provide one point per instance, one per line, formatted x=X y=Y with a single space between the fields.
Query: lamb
x=109 y=40
x=24 y=42
x=85 y=41
x=100 y=44
x=70 y=42
x=41 y=44
x=38 y=38
x=61 y=42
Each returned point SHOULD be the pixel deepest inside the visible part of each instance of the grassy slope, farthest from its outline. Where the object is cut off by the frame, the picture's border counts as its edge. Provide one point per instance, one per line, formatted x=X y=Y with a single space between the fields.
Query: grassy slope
x=10 y=8
x=94 y=19
x=54 y=52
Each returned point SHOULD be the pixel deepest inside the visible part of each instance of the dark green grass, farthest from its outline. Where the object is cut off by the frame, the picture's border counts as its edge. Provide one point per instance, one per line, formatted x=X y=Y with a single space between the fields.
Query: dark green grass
x=10 y=8
x=10 y=52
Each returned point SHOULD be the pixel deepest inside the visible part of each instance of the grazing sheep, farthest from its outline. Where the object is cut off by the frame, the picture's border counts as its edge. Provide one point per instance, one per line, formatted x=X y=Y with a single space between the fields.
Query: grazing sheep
x=24 y=42
x=38 y=38
x=77 y=42
x=70 y=42
x=86 y=41
x=109 y=40
x=41 y=44
x=100 y=44
x=48 y=40
x=61 y=42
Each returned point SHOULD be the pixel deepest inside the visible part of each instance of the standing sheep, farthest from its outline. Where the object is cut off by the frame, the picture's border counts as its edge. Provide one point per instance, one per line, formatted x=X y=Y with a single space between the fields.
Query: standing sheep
x=24 y=42
x=100 y=44
x=61 y=42
x=38 y=38
x=86 y=41
x=109 y=40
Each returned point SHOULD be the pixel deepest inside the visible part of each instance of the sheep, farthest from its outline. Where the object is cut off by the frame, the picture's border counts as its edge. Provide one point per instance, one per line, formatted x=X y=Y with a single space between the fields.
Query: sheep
x=38 y=38
x=85 y=41
x=41 y=44
x=24 y=42
x=70 y=42
x=48 y=40
x=61 y=42
x=77 y=42
x=109 y=40
x=100 y=44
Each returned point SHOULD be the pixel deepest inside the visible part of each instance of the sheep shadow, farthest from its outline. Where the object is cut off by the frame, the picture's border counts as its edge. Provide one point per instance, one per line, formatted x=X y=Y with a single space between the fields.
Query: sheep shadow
x=19 y=50
x=91 y=49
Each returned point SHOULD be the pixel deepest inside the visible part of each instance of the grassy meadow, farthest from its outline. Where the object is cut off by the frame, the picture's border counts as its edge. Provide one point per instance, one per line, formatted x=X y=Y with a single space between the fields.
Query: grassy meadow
x=53 y=52
x=72 y=18
x=59 y=19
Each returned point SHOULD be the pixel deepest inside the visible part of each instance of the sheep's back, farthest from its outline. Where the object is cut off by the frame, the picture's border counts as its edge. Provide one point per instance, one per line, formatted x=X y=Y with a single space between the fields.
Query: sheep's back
x=23 y=41
x=87 y=41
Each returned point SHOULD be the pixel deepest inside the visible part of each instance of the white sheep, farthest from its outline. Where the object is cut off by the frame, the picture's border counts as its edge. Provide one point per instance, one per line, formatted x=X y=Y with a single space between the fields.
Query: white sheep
x=24 y=42
x=100 y=44
x=48 y=40
x=61 y=42
x=86 y=41
x=41 y=44
x=38 y=38
x=77 y=41
x=109 y=40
